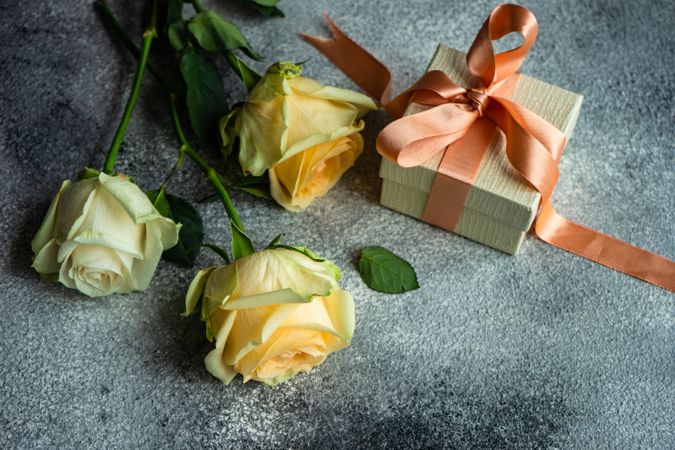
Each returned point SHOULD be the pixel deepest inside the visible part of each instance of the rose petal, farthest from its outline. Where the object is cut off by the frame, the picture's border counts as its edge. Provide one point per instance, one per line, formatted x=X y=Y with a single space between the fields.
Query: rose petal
x=251 y=330
x=260 y=126
x=316 y=139
x=340 y=308
x=108 y=240
x=97 y=258
x=46 y=261
x=196 y=289
x=315 y=89
x=47 y=229
x=130 y=197
x=104 y=218
x=283 y=341
x=214 y=361
x=74 y=207
x=269 y=271
x=144 y=268
x=296 y=182
x=311 y=316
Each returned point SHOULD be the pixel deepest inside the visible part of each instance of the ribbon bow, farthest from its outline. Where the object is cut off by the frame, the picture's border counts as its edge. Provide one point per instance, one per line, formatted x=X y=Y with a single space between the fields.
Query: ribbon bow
x=461 y=118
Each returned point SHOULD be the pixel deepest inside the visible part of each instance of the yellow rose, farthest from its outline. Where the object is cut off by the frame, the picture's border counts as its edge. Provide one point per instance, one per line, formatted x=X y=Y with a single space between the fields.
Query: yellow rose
x=306 y=134
x=296 y=181
x=101 y=236
x=273 y=314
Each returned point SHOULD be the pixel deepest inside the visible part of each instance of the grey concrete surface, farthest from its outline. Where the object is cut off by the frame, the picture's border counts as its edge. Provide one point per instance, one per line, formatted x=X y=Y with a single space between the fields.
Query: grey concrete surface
x=542 y=350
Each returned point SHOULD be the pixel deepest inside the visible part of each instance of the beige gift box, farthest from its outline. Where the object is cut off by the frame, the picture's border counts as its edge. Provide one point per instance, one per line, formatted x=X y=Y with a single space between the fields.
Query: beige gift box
x=501 y=206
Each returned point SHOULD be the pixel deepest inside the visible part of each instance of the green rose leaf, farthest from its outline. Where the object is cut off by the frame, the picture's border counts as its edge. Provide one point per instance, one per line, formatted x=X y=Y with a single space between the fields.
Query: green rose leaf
x=191 y=234
x=177 y=35
x=241 y=244
x=258 y=186
x=383 y=271
x=206 y=99
x=216 y=34
x=247 y=75
x=266 y=7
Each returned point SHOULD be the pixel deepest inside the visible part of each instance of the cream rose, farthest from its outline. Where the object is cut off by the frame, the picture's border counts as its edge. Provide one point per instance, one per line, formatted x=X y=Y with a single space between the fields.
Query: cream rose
x=101 y=236
x=273 y=314
x=306 y=134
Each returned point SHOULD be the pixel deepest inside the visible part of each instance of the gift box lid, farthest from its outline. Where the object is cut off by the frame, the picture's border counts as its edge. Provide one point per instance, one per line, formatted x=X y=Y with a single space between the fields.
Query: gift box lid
x=498 y=190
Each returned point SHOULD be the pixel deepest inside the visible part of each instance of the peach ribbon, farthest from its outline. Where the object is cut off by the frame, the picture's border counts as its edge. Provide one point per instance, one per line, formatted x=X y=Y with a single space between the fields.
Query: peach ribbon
x=462 y=122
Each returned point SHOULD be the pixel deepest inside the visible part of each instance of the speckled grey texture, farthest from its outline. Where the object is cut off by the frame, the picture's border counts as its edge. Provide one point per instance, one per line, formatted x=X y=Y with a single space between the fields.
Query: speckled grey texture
x=540 y=350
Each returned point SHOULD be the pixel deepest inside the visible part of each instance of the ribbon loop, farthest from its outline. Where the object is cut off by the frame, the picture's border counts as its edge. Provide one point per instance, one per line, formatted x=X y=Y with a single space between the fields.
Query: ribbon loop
x=485 y=67
x=412 y=140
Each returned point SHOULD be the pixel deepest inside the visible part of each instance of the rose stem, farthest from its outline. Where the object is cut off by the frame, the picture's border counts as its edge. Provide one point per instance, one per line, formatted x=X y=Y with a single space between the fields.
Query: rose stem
x=148 y=35
x=109 y=18
x=197 y=5
x=185 y=147
x=211 y=174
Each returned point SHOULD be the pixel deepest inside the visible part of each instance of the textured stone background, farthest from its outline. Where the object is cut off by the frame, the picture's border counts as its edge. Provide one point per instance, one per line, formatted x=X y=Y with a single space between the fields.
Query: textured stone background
x=540 y=350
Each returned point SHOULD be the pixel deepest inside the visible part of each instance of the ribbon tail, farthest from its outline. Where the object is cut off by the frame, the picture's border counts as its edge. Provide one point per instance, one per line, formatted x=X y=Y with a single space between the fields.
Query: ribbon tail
x=533 y=146
x=363 y=68
x=602 y=249
x=456 y=174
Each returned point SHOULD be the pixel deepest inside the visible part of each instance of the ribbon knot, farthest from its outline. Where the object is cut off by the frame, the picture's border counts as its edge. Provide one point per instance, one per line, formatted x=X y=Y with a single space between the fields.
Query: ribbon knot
x=478 y=100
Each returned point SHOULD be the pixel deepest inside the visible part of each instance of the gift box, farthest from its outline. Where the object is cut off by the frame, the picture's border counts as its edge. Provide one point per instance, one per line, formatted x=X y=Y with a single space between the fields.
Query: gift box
x=474 y=146
x=500 y=206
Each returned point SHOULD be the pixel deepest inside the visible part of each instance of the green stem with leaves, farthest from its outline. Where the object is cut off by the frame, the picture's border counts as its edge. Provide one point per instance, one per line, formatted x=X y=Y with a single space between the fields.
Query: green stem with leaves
x=185 y=147
x=149 y=34
x=211 y=174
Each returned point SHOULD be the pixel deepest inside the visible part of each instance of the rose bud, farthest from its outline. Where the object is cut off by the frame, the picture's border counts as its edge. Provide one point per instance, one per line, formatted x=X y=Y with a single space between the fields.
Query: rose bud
x=102 y=235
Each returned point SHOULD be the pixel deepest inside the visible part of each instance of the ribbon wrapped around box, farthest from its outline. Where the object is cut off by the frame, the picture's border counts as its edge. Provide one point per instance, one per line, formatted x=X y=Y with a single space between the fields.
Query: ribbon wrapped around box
x=475 y=145
x=474 y=191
